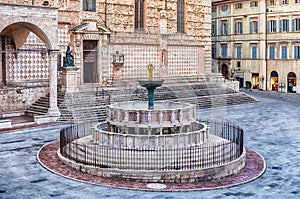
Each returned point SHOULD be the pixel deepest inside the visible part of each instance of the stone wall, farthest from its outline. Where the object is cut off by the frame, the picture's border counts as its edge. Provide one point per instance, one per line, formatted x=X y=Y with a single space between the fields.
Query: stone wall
x=190 y=53
x=20 y=98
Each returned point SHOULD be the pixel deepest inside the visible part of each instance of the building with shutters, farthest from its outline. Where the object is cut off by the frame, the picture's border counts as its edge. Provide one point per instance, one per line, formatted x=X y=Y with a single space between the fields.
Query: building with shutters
x=258 y=42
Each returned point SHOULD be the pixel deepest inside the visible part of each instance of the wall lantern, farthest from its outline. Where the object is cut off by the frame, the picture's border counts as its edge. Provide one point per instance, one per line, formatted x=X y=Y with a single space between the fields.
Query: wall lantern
x=44 y=53
x=118 y=59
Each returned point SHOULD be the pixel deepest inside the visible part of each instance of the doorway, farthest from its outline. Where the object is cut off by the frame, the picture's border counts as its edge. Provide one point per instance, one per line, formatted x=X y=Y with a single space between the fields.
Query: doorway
x=255 y=80
x=225 y=72
x=90 y=72
x=291 y=82
x=274 y=80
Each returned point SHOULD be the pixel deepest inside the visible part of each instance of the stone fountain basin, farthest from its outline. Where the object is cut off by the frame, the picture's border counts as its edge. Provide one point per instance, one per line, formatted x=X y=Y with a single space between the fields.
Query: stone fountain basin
x=150 y=84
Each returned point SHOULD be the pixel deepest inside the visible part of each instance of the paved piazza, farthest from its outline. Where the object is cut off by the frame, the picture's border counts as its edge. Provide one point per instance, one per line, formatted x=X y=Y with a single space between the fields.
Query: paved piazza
x=272 y=128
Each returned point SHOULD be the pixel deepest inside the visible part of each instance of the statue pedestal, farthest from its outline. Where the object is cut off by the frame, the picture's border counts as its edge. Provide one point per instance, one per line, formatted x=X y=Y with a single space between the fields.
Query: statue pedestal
x=68 y=79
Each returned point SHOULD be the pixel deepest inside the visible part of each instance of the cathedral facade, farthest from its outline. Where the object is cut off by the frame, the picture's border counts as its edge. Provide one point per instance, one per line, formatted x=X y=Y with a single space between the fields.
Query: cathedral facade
x=110 y=40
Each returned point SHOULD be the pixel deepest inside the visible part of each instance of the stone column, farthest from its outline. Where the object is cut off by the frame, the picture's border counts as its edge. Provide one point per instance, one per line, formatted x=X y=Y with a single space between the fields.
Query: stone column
x=53 y=109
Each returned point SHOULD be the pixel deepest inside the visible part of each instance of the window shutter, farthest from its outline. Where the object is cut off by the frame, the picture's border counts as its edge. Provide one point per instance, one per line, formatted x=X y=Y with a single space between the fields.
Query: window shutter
x=241 y=27
x=275 y=25
x=284 y=52
x=295 y=52
x=256 y=27
x=272 y=52
x=268 y=26
x=251 y=27
x=235 y=28
x=293 y=25
x=239 y=52
x=221 y=28
x=280 y=25
x=288 y=25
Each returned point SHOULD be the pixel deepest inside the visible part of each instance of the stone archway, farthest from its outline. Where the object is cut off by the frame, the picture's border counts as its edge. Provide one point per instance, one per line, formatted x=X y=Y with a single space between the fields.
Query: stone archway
x=17 y=22
x=291 y=82
x=274 y=80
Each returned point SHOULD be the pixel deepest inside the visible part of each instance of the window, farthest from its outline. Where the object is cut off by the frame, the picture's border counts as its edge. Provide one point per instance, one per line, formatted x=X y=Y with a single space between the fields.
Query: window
x=239 y=52
x=284 y=2
x=224 y=8
x=238 y=27
x=213 y=51
x=296 y=25
x=214 y=9
x=271 y=52
x=224 y=51
x=296 y=52
x=283 y=52
x=224 y=28
x=213 y=28
x=271 y=2
x=180 y=16
x=254 y=52
x=238 y=6
x=89 y=5
x=271 y=26
x=284 y=25
x=253 y=27
x=139 y=15
x=254 y=4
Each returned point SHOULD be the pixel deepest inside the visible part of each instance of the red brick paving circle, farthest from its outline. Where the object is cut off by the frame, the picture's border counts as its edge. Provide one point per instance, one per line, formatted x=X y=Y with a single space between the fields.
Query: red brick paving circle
x=255 y=167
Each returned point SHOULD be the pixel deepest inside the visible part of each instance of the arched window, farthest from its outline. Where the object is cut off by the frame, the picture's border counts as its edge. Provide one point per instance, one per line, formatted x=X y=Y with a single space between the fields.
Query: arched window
x=180 y=16
x=139 y=14
x=292 y=82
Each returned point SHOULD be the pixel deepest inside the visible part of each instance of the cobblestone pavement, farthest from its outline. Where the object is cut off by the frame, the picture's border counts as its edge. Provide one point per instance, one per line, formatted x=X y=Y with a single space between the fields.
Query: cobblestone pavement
x=272 y=128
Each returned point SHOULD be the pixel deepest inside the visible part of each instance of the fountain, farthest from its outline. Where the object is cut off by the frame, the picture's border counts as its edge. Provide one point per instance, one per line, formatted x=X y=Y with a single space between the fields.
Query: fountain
x=163 y=143
x=150 y=85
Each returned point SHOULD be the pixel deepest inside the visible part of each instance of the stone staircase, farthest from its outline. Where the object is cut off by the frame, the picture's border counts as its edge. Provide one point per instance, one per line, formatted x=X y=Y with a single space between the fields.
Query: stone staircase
x=89 y=105
x=41 y=106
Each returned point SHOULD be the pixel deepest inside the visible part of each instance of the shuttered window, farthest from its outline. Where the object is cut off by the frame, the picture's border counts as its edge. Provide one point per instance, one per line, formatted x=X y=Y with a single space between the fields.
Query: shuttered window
x=254 y=52
x=271 y=52
x=283 y=52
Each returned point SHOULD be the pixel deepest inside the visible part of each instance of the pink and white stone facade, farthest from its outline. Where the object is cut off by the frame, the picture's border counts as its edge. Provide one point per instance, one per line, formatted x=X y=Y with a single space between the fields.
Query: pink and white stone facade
x=27 y=65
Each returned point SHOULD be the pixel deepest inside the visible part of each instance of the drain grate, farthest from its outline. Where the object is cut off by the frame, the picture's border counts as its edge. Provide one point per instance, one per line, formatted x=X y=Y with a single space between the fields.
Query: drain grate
x=156 y=186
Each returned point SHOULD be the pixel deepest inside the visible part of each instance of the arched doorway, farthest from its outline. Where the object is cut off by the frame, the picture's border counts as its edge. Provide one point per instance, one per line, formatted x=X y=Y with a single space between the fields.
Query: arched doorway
x=225 y=72
x=291 y=82
x=274 y=80
x=19 y=65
